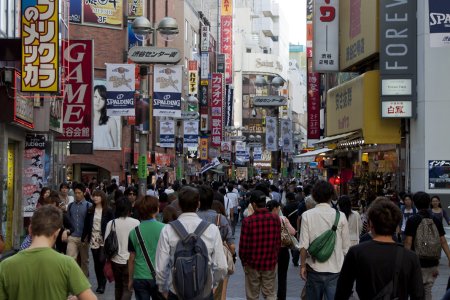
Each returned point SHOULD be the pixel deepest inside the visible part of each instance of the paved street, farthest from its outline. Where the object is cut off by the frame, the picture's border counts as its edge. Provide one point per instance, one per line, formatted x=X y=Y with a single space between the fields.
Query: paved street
x=236 y=287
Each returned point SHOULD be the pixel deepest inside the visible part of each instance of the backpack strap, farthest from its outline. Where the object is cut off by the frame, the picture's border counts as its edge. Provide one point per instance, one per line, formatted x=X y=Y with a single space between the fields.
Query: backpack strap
x=218 y=220
x=179 y=229
x=398 y=266
x=201 y=228
x=336 y=221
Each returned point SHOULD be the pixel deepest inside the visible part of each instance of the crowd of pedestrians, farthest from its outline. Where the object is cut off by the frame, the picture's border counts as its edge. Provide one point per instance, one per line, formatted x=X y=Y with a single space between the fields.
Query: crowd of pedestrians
x=178 y=242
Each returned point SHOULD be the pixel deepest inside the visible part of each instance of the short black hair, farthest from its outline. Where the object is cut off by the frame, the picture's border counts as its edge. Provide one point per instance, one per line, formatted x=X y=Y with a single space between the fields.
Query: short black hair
x=384 y=215
x=188 y=199
x=422 y=200
x=270 y=205
x=79 y=186
x=259 y=198
x=290 y=196
x=263 y=188
x=123 y=207
x=323 y=191
x=206 y=197
x=64 y=184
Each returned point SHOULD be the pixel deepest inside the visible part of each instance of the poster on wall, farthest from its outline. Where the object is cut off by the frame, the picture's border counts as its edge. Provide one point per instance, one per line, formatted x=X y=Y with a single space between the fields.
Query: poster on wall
x=77 y=105
x=40 y=46
x=103 y=13
x=120 y=89
x=439 y=21
x=439 y=174
x=33 y=172
x=107 y=129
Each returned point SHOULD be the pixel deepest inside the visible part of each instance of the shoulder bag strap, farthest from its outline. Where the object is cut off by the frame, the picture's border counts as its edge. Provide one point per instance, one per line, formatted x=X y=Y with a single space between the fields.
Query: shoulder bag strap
x=144 y=251
x=336 y=221
x=295 y=211
x=218 y=220
x=398 y=266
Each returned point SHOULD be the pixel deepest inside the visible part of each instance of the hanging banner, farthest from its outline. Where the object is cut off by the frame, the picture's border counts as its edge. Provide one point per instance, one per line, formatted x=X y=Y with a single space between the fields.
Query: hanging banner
x=226 y=146
x=204 y=66
x=271 y=133
x=190 y=134
x=313 y=105
x=203 y=98
x=107 y=129
x=40 y=46
x=204 y=43
x=218 y=88
x=229 y=106
x=56 y=114
x=203 y=149
x=77 y=106
x=33 y=172
x=103 y=13
x=286 y=135
x=120 y=85
x=326 y=36
x=257 y=154
x=439 y=21
x=75 y=11
x=214 y=163
x=241 y=152
x=193 y=77
x=167 y=134
x=167 y=91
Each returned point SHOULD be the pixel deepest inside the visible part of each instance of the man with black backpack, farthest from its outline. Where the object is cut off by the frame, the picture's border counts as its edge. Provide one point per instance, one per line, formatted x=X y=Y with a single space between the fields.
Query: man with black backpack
x=190 y=260
x=425 y=235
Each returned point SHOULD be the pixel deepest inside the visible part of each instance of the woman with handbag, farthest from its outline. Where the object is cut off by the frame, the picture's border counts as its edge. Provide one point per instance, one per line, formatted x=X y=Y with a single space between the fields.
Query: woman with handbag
x=209 y=215
x=142 y=244
x=98 y=216
x=283 y=257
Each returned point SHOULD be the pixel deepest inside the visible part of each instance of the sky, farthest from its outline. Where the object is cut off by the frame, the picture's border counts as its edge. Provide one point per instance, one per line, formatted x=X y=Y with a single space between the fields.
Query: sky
x=295 y=11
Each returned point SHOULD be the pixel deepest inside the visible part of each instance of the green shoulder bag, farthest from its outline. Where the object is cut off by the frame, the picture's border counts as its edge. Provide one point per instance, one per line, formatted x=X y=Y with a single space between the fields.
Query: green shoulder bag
x=322 y=247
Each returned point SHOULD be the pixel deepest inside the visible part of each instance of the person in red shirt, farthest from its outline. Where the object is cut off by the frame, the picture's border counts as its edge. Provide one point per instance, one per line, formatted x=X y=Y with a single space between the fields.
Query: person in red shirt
x=259 y=246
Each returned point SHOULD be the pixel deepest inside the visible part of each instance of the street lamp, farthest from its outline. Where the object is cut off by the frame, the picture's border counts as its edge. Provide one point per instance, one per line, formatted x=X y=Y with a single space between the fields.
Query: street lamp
x=142 y=27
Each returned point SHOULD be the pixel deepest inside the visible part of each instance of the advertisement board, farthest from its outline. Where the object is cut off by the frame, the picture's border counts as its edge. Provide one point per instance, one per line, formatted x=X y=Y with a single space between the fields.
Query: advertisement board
x=271 y=133
x=167 y=134
x=190 y=134
x=313 y=105
x=167 y=91
x=226 y=45
x=439 y=22
x=217 y=95
x=120 y=85
x=103 y=13
x=193 y=77
x=439 y=174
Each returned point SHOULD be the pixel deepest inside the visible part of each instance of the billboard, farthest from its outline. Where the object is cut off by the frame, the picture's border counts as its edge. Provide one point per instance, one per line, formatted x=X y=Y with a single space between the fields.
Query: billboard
x=77 y=105
x=120 y=87
x=40 y=46
x=439 y=21
x=217 y=95
x=167 y=91
x=103 y=13
x=226 y=45
x=107 y=129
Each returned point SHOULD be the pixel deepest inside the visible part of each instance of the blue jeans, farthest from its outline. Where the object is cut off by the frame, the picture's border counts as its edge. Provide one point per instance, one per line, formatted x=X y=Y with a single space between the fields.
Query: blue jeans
x=320 y=284
x=144 y=289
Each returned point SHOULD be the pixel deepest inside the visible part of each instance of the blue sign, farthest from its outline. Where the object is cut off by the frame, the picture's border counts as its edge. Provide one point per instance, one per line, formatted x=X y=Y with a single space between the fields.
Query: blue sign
x=439 y=19
x=75 y=11
x=120 y=103
x=132 y=40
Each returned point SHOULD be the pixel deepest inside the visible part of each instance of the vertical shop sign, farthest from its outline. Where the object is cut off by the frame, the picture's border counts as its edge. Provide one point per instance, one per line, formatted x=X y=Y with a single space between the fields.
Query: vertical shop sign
x=229 y=106
x=193 y=77
x=33 y=172
x=120 y=89
x=217 y=96
x=204 y=43
x=103 y=13
x=398 y=58
x=167 y=91
x=203 y=149
x=309 y=28
x=190 y=134
x=286 y=135
x=313 y=105
x=326 y=35
x=8 y=210
x=167 y=134
x=221 y=63
x=204 y=66
x=226 y=36
x=77 y=106
x=439 y=20
x=40 y=46
x=271 y=133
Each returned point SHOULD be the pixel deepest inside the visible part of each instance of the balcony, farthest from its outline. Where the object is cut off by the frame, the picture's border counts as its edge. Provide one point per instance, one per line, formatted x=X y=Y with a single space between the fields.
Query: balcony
x=269 y=9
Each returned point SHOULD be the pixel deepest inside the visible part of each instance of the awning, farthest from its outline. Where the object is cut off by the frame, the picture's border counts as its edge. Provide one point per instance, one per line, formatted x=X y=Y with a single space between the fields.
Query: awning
x=309 y=156
x=336 y=138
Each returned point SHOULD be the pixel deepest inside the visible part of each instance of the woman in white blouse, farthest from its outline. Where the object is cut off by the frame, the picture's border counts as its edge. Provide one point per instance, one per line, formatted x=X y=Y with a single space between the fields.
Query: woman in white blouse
x=353 y=219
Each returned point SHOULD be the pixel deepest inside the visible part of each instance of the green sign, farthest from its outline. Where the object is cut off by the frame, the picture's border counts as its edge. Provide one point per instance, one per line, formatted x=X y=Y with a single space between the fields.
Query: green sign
x=250 y=172
x=285 y=172
x=142 y=167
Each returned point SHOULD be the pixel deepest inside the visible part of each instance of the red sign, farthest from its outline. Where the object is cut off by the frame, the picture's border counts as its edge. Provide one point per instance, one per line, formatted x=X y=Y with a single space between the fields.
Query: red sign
x=217 y=95
x=162 y=159
x=313 y=106
x=226 y=46
x=77 y=106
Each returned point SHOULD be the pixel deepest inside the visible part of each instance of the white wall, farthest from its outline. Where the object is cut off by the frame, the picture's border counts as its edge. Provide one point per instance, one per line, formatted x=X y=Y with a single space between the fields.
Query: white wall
x=429 y=137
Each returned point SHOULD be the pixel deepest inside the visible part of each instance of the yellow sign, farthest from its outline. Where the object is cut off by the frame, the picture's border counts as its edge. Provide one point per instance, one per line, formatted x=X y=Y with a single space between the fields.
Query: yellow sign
x=227 y=7
x=203 y=149
x=355 y=105
x=358 y=22
x=10 y=198
x=135 y=8
x=204 y=82
x=40 y=46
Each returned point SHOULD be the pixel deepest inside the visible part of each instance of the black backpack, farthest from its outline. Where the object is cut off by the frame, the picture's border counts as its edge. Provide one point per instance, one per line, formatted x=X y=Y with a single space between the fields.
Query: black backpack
x=191 y=276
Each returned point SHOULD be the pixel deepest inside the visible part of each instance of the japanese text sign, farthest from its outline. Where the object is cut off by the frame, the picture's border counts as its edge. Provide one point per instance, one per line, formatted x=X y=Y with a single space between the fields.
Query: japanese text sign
x=40 y=46
x=217 y=95
x=104 y=13
x=204 y=43
x=77 y=106
x=193 y=77
x=226 y=45
x=313 y=105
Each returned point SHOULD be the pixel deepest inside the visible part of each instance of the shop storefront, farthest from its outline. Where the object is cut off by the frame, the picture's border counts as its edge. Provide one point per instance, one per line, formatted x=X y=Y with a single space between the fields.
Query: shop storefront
x=364 y=161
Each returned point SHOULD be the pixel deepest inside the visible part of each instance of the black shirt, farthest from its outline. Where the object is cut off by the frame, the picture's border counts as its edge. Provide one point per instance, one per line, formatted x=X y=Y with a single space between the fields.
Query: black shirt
x=372 y=265
x=411 y=228
x=290 y=212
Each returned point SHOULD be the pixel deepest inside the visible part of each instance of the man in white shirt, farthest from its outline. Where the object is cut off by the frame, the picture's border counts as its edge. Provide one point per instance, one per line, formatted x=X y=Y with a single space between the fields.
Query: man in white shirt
x=322 y=277
x=231 y=201
x=189 y=202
